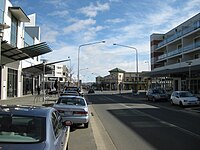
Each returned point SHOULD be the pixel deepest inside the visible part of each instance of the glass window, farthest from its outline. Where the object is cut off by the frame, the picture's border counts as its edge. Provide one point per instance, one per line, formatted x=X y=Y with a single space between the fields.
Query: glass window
x=22 y=129
x=57 y=124
x=14 y=24
x=12 y=83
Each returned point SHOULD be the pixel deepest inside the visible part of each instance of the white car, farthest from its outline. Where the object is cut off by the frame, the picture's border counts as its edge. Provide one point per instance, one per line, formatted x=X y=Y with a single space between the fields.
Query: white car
x=74 y=109
x=184 y=98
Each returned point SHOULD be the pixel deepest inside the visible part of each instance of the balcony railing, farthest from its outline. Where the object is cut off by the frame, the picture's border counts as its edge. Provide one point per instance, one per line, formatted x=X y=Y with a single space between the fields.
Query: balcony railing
x=195 y=26
x=180 y=50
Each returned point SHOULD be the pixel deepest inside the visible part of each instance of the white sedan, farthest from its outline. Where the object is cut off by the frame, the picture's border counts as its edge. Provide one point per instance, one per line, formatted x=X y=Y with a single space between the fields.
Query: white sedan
x=184 y=98
x=74 y=109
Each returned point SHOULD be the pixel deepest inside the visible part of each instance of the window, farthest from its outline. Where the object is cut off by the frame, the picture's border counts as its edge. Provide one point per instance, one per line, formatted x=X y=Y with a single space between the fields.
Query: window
x=57 y=124
x=14 y=24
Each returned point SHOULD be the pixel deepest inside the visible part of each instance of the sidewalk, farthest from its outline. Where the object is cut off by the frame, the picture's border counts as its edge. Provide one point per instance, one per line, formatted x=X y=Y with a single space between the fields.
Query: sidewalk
x=36 y=100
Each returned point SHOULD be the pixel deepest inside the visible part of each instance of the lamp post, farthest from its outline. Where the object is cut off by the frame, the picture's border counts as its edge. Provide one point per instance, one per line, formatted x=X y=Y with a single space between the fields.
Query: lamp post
x=189 y=65
x=136 y=60
x=147 y=63
x=70 y=75
x=79 y=48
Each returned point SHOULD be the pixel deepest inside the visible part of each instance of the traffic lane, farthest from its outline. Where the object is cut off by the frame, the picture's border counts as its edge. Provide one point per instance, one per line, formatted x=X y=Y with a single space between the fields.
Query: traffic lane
x=154 y=125
x=173 y=114
x=121 y=136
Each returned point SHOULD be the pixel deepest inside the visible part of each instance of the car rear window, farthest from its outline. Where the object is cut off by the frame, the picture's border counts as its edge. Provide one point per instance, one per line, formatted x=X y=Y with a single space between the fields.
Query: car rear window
x=72 y=101
x=22 y=129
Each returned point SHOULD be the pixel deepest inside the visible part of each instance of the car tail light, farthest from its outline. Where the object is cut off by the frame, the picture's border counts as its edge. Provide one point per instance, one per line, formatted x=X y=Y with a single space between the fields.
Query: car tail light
x=61 y=111
x=81 y=112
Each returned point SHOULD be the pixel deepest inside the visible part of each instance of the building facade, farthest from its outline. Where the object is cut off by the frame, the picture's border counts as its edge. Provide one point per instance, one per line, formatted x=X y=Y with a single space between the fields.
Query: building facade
x=20 y=47
x=119 y=79
x=175 y=56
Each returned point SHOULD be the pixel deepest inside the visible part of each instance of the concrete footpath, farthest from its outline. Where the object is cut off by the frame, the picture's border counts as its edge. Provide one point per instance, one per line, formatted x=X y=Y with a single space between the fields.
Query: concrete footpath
x=36 y=100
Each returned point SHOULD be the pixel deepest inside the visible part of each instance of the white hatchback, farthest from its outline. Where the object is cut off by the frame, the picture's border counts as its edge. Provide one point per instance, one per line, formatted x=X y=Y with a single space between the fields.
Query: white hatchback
x=184 y=98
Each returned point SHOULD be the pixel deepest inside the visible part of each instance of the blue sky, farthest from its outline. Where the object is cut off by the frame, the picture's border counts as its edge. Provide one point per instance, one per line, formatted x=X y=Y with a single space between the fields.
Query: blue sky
x=66 y=24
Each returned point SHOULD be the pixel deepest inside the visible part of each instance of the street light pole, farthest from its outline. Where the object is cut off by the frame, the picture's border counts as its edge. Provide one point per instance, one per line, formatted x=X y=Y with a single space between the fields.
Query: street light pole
x=79 y=48
x=136 y=60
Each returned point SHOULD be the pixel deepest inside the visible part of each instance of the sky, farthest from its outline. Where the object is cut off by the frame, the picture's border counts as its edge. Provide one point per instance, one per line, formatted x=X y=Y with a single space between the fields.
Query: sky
x=67 y=24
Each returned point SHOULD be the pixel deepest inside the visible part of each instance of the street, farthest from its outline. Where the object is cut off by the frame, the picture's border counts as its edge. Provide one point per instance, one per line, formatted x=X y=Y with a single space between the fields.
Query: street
x=130 y=122
x=140 y=125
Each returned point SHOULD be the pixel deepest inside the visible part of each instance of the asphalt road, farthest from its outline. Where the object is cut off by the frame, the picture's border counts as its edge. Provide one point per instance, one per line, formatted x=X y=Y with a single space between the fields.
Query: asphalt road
x=132 y=123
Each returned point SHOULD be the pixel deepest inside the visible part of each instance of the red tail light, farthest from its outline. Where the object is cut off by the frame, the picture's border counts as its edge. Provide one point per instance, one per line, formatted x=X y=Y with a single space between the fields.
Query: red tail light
x=61 y=111
x=81 y=112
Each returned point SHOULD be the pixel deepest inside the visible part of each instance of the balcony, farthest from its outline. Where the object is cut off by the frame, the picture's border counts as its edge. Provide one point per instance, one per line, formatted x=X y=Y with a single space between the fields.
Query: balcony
x=179 y=51
x=181 y=33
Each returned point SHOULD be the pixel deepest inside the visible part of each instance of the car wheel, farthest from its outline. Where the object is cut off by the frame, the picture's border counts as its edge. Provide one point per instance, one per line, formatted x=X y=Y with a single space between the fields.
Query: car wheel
x=171 y=102
x=181 y=104
x=86 y=125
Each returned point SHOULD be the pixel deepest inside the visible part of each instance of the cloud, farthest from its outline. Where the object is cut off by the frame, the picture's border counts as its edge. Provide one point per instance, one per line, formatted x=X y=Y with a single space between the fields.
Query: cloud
x=48 y=33
x=92 y=10
x=59 y=13
x=116 y=20
x=79 y=25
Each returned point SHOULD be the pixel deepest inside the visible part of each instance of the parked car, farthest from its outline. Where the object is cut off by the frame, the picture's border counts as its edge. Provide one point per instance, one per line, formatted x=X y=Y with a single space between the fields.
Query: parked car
x=73 y=108
x=156 y=94
x=91 y=91
x=32 y=128
x=184 y=98
x=75 y=93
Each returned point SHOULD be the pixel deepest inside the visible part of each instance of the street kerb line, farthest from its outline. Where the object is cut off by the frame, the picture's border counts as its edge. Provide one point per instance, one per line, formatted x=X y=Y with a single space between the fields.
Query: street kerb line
x=102 y=139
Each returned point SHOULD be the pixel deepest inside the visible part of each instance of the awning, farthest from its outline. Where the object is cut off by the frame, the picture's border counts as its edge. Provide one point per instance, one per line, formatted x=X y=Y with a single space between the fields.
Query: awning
x=11 y=54
x=167 y=72
x=19 y=14
x=37 y=69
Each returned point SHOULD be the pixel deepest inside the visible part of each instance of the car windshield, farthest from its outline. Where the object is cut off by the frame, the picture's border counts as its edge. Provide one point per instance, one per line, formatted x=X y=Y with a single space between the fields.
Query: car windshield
x=158 y=91
x=185 y=94
x=21 y=129
x=72 y=101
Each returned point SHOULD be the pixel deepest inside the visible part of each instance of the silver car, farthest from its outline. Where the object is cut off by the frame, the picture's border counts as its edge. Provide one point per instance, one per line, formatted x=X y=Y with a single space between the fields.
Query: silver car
x=184 y=98
x=73 y=108
x=156 y=95
x=32 y=128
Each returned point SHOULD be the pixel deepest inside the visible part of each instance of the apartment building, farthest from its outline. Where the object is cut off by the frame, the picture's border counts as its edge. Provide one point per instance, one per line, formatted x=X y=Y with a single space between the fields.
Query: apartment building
x=175 y=56
x=60 y=73
x=20 y=47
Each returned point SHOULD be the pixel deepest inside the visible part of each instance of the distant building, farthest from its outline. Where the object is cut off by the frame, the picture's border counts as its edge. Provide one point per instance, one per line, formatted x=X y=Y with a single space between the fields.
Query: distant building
x=119 y=79
x=175 y=56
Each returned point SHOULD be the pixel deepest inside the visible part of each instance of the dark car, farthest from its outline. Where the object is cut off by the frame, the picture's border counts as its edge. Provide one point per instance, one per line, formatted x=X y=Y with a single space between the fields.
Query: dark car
x=32 y=128
x=156 y=95
x=91 y=91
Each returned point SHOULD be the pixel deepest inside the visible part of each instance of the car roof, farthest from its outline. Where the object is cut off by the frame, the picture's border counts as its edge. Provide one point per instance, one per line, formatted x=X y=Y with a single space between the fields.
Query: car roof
x=25 y=110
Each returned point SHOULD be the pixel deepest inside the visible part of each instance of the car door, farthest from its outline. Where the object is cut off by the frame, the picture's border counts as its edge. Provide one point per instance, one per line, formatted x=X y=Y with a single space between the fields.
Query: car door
x=176 y=98
x=59 y=131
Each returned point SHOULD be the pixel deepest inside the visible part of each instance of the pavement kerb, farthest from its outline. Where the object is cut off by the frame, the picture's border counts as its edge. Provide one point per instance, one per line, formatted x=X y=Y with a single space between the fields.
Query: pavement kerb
x=102 y=138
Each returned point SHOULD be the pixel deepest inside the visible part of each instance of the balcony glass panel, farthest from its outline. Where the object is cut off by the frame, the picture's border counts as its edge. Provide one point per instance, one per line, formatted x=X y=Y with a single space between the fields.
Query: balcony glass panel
x=28 y=39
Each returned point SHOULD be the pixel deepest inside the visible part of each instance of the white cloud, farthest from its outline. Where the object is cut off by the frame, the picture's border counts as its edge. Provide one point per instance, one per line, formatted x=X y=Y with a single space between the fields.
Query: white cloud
x=79 y=25
x=59 y=13
x=116 y=20
x=92 y=10
x=48 y=33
